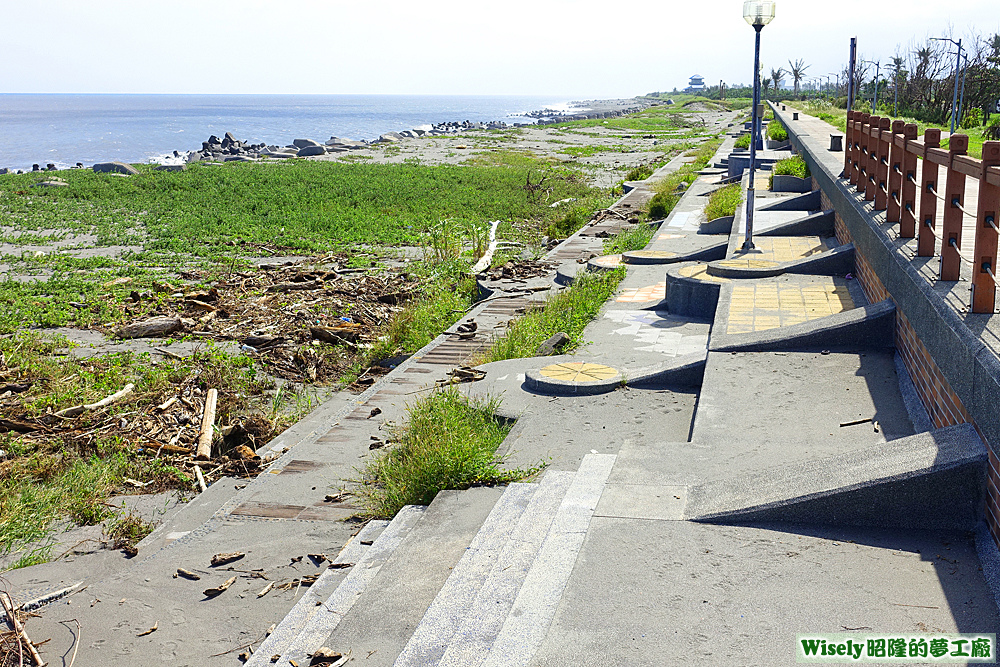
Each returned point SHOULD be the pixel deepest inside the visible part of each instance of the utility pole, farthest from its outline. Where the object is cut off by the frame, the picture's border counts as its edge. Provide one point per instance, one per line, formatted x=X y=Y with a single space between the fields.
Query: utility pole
x=850 y=75
x=958 y=65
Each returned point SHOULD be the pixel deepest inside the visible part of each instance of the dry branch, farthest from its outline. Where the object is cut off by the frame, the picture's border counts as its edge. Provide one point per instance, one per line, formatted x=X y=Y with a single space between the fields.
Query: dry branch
x=207 y=428
x=78 y=410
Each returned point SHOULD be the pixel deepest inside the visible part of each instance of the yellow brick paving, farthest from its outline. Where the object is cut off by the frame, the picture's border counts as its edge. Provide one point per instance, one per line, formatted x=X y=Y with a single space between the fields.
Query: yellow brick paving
x=786 y=248
x=700 y=272
x=760 y=306
x=657 y=292
x=579 y=371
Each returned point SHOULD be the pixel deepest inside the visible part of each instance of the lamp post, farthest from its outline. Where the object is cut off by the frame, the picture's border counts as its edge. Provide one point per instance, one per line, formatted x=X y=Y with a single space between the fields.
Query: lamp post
x=961 y=99
x=758 y=13
x=958 y=65
x=836 y=91
x=895 y=88
x=877 y=68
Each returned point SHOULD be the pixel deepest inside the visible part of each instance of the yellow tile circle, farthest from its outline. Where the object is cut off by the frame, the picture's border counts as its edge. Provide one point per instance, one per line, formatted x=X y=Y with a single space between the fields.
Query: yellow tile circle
x=746 y=263
x=653 y=253
x=700 y=272
x=579 y=371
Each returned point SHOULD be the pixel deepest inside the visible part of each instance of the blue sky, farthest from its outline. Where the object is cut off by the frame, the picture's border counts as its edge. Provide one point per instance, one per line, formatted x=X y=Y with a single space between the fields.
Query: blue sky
x=552 y=47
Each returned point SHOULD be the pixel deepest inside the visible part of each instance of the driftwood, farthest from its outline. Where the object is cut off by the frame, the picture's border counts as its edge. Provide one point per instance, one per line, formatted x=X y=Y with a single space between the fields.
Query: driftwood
x=201 y=478
x=289 y=287
x=207 y=426
x=152 y=328
x=78 y=410
x=17 y=427
x=22 y=636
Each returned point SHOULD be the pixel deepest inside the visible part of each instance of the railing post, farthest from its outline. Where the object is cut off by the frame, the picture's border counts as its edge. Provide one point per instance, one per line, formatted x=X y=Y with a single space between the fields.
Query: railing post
x=984 y=290
x=894 y=199
x=849 y=148
x=908 y=197
x=951 y=230
x=871 y=163
x=861 y=155
x=882 y=163
x=928 y=202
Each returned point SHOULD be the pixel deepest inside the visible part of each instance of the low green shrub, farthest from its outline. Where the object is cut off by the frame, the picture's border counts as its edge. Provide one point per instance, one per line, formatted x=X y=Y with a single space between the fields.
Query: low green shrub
x=724 y=202
x=640 y=173
x=662 y=204
x=447 y=442
x=743 y=141
x=793 y=166
x=776 y=131
x=629 y=239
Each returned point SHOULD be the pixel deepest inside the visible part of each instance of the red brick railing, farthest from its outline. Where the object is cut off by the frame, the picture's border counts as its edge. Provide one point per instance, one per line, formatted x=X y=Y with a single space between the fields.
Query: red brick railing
x=881 y=160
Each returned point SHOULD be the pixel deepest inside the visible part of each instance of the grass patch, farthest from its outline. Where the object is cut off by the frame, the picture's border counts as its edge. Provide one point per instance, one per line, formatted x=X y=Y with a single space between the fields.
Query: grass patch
x=743 y=141
x=792 y=166
x=629 y=239
x=776 y=131
x=724 y=202
x=448 y=442
x=569 y=311
x=668 y=192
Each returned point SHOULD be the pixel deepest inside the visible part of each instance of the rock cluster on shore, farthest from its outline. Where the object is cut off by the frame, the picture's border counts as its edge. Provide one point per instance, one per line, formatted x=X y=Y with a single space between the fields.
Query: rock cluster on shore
x=231 y=149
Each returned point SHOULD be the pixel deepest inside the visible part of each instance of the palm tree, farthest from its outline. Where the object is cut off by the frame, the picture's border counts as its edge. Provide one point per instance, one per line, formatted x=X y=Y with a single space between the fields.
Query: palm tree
x=777 y=76
x=798 y=72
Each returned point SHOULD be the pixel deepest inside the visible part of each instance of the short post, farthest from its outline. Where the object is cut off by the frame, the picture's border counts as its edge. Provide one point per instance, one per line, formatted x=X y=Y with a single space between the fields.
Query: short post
x=984 y=290
x=882 y=164
x=874 y=123
x=897 y=147
x=908 y=214
x=951 y=230
x=928 y=202
x=849 y=148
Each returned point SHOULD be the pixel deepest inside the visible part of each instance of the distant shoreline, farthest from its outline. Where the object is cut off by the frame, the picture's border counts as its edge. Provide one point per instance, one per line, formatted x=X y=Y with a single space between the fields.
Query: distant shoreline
x=64 y=129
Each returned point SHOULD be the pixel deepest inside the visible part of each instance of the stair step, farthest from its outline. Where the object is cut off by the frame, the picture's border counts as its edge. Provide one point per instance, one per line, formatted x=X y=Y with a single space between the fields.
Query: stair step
x=484 y=618
x=392 y=606
x=326 y=616
x=531 y=615
x=446 y=613
x=293 y=623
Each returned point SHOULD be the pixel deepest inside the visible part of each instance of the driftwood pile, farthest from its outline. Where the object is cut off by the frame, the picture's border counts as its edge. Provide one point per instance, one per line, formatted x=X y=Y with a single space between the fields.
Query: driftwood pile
x=285 y=317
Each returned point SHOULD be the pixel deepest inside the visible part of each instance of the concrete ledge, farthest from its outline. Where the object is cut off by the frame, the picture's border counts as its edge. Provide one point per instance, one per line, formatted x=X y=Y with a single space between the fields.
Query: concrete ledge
x=867 y=327
x=689 y=297
x=806 y=202
x=836 y=262
x=683 y=371
x=786 y=183
x=814 y=224
x=723 y=225
x=931 y=480
x=707 y=254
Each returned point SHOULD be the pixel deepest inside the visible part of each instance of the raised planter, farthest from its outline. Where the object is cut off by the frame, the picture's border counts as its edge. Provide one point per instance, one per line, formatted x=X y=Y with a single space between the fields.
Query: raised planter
x=723 y=225
x=778 y=145
x=785 y=183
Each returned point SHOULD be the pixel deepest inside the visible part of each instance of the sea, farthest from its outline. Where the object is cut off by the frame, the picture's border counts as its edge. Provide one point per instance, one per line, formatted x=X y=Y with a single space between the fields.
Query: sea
x=65 y=129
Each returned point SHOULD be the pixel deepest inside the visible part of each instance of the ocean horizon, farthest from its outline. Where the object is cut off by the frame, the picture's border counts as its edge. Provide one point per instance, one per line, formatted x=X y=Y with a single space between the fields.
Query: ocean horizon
x=64 y=129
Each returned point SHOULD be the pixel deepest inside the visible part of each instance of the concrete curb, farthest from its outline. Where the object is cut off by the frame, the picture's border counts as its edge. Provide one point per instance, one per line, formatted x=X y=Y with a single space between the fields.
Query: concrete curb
x=928 y=481
x=690 y=297
x=814 y=224
x=683 y=371
x=865 y=327
x=836 y=262
x=807 y=202
x=723 y=225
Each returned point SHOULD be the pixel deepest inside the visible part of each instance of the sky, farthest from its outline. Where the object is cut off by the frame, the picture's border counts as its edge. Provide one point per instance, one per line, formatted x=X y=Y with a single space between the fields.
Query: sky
x=578 y=48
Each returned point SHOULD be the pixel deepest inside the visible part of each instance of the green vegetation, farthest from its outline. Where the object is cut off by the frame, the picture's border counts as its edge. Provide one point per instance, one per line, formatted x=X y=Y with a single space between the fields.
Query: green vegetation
x=743 y=141
x=724 y=202
x=792 y=166
x=776 y=131
x=569 y=312
x=629 y=239
x=448 y=442
x=70 y=467
x=668 y=191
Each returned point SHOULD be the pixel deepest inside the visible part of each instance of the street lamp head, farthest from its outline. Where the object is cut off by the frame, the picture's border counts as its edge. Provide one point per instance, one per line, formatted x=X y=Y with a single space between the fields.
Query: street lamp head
x=758 y=13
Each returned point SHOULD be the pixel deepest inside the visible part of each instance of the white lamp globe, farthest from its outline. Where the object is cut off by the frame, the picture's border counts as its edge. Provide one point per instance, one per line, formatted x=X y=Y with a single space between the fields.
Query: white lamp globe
x=758 y=12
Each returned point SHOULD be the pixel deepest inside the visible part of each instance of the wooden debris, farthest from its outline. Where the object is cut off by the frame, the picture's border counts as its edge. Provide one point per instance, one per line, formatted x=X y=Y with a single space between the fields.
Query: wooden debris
x=187 y=574
x=207 y=425
x=267 y=589
x=200 y=477
x=17 y=427
x=78 y=410
x=15 y=623
x=150 y=631
x=225 y=559
x=154 y=327
x=212 y=592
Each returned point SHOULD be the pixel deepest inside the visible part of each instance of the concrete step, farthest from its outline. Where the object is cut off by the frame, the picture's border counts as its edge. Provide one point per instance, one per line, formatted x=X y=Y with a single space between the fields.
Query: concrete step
x=932 y=480
x=390 y=608
x=484 y=617
x=530 y=616
x=356 y=552
x=449 y=608
x=301 y=633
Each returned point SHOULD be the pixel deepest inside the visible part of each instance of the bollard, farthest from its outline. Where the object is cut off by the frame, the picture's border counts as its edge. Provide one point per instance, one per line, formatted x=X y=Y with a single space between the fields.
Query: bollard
x=836 y=143
x=882 y=143
x=928 y=202
x=795 y=115
x=897 y=148
x=984 y=290
x=951 y=230
x=908 y=212
x=871 y=164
